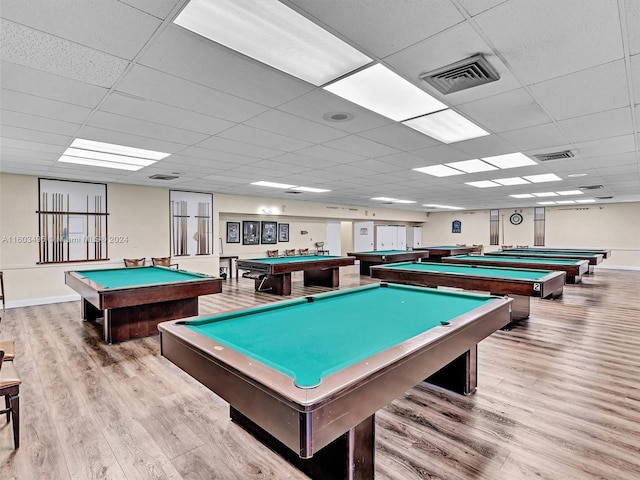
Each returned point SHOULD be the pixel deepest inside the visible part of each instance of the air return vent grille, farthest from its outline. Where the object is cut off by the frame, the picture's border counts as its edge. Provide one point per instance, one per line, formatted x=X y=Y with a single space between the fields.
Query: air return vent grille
x=546 y=157
x=591 y=187
x=467 y=73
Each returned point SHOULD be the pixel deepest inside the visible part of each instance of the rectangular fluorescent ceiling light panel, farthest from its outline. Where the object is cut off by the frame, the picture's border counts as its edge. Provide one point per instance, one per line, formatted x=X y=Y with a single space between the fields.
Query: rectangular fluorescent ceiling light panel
x=545 y=177
x=272 y=184
x=383 y=199
x=522 y=195
x=510 y=160
x=472 y=166
x=571 y=192
x=273 y=33
x=439 y=171
x=446 y=126
x=483 y=184
x=510 y=181
x=109 y=155
x=546 y=203
x=546 y=194
x=586 y=200
x=433 y=205
x=565 y=202
x=380 y=90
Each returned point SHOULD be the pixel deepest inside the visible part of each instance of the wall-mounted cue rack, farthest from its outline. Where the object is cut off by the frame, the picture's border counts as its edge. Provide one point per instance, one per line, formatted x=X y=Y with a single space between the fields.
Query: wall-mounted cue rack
x=191 y=234
x=72 y=221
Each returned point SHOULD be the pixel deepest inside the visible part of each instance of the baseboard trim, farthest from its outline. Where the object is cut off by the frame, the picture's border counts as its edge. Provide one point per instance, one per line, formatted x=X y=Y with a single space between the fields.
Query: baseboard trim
x=30 y=302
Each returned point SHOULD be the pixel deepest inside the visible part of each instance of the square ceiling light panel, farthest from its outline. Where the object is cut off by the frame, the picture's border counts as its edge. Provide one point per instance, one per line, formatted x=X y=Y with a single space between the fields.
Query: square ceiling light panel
x=510 y=160
x=273 y=33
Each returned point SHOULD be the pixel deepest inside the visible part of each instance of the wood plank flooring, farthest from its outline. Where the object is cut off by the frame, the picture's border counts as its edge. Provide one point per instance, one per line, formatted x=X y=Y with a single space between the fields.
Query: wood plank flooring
x=558 y=399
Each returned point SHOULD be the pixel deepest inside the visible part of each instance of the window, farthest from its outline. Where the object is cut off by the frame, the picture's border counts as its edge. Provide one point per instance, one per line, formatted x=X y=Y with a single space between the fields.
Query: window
x=191 y=232
x=538 y=226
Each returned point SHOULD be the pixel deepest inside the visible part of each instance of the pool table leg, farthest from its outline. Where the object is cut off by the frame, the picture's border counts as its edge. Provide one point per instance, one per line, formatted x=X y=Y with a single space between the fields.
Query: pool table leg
x=460 y=375
x=325 y=277
x=88 y=312
x=350 y=456
x=365 y=267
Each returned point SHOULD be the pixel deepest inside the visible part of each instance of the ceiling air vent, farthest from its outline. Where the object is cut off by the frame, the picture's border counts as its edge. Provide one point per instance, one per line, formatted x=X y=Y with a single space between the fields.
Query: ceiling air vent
x=591 y=187
x=604 y=198
x=467 y=73
x=158 y=176
x=546 y=157
x=293 y=192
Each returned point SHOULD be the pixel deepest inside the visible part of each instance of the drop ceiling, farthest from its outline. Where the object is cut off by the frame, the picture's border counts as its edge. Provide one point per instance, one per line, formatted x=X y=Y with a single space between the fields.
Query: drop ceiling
x=122 y=72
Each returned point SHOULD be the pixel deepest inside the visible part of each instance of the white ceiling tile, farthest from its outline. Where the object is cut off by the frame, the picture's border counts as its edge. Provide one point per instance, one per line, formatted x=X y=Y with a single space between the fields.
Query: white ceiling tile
x=202 y=156
x=164 y=88
x=41 y=51
x=28 y=146
x=609 y=146
x=107 y=25
x=505 y=111
x=400 y=137
x=474 y=7
x=34 y=122
x=35 y=136
x=632 y=16
x=594 y=90
x=538 y=137
x=635 y=78
x=611 y=123
x=184 y=54
x=361 y=146
x=21 y=102
x=262 y=138
x=441 y=154
x=156 y=112
x=305 y=161
x=487 y=146
x=46 y=85
x=334 y=155
x=157 y=8
x=292 y=126
x=367 y=23
x=122 y=138
x=314 y=105
x=546 y=38
x=239 y=148
x=133 y=126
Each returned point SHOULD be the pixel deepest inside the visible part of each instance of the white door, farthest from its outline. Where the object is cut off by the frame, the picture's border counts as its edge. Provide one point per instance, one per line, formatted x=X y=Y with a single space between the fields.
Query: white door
x=333 y=242
x=362 y=236
x=385 y=237
x=417 y=237
x=401 y=238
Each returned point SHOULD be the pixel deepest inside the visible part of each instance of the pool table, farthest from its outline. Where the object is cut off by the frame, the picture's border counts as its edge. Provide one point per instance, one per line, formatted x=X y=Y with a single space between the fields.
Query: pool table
x=593 y=258
x=437 y=252
x=519 y=284
x=606 y=253
x=273 y=274
x=378 y=257
x=134 y=300
x=306 y=376
x=572 y=267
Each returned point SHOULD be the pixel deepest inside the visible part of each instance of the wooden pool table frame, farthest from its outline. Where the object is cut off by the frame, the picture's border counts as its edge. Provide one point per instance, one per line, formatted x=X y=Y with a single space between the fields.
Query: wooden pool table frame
x=275 y=277
x=328 y=431
x=135 y=311
x=593 y=258
x=574 y=271
x=437 y=252
x=369 y=259
x=549 y=285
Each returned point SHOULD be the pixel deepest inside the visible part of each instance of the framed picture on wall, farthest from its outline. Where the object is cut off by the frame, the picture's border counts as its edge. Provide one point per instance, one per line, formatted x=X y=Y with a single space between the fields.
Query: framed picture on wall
x=269 y=233
x=233 y=232
x=283 y=232
x=250 y=233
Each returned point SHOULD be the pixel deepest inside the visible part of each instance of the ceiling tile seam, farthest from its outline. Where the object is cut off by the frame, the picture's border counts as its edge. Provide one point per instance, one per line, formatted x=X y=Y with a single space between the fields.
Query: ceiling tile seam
x=627 y=65
x=131 y=64
x=495 y=52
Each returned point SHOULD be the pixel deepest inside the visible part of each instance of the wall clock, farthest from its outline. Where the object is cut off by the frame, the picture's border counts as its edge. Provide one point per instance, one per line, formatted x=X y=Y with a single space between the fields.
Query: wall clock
x=515 y=219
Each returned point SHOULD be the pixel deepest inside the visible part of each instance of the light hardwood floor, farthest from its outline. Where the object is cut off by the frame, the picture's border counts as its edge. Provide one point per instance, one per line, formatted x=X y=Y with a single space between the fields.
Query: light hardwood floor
x=558 y=399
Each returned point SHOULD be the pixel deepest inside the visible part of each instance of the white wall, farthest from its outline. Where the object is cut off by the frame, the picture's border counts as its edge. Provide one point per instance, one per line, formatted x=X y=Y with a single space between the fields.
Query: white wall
x=140 y=215
x=614 y=226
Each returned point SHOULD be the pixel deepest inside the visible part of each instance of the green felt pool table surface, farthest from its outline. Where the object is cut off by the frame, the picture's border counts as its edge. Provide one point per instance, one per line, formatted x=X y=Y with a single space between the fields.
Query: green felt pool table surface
x=317 y=338
x=488 y=271
x=137 y=276
x=531 y=260
x=292 y=259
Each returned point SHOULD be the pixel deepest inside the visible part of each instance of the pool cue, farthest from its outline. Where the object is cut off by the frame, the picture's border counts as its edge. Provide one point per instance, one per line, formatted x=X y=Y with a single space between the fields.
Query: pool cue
x=45 y=254
x=184 y=227
x=68 y=237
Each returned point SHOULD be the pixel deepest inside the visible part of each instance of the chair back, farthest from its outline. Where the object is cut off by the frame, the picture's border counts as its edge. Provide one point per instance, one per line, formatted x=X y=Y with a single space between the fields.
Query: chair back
x=272 y=253
x=134 y=262
x=161 y=261
x=290 y=252
x=303 y=251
